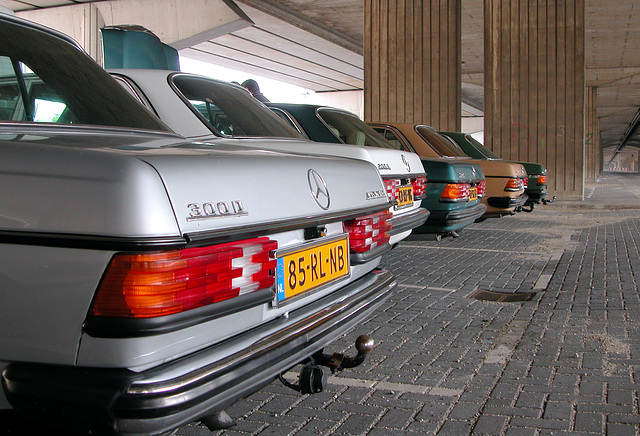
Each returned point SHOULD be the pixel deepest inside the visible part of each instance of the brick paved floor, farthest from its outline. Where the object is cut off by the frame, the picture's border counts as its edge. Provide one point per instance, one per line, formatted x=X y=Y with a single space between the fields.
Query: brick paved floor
x=566 y=362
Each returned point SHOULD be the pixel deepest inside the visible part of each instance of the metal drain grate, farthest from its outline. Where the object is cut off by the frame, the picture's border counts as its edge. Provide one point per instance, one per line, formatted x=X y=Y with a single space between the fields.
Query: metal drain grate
x=502 y=297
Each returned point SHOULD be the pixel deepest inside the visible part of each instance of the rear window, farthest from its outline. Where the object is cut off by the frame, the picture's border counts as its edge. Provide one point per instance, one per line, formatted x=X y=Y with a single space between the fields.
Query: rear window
x=352 y=130
x=392 y=138
x=229 y=110
x=481 y=148
x=443 y=146
x=44 y=79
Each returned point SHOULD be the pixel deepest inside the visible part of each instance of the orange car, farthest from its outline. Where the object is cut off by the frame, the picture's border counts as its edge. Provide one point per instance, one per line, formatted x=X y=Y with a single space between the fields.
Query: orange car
x=506 y=181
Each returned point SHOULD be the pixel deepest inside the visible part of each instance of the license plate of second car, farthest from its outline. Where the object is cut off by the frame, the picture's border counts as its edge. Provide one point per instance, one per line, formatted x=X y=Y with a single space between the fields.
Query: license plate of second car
x=405 y=196
x=311 y=266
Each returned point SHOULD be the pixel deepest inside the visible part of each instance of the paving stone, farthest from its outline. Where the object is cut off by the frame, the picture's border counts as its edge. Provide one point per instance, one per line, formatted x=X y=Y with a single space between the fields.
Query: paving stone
x=490 y=425
x=423 y=427
x=278 y=419
x=396 y=419
x=318 y=426
x=590 y=422
x=433 y=412
x=356 y=425
x=558 y=410
x=280 y=404
x=465 y=411
x=320 y=414
x=519 y=431
x=454 y=428
x=620 y=396
x=621 y=430
x=551 y=424
x=533 y=400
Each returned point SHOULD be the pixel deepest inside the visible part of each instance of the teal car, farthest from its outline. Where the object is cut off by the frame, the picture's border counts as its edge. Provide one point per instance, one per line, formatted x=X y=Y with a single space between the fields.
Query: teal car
x=536 y=173
x=454 y=188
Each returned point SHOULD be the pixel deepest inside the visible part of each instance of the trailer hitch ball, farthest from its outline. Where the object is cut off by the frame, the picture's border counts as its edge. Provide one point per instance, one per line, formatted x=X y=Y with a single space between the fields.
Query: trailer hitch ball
x=365 y=344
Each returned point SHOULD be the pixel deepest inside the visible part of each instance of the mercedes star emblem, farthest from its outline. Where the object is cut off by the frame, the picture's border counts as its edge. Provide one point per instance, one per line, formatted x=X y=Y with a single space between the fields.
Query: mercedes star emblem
x=406 y=163
x=319 y=190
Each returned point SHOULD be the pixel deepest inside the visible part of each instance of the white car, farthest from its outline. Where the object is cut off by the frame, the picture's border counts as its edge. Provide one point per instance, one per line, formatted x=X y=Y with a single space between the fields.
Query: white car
x=216 y=112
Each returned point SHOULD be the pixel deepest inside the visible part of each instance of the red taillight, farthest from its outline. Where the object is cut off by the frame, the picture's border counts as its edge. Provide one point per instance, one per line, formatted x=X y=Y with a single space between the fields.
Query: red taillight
x=419 y=185
x=525 y=182
x=455 y=192
x=482 y=188
x=368 y=232
x=391 y=186
x=157 y=284
x=542 y=180
x=514 y=184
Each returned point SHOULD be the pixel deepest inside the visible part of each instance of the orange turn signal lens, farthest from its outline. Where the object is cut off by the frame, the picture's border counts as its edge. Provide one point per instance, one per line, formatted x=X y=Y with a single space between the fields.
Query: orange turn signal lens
x=455 y=192
x=514 y=184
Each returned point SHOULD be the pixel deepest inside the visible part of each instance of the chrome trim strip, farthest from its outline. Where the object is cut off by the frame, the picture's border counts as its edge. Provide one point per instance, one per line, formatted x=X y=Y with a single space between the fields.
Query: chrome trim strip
x=288 y=224
x=91 y=242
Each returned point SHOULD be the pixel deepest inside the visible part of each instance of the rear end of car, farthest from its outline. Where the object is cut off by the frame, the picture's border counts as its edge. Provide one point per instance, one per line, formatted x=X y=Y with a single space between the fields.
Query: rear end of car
x=401 y=171
x=454 y=196
x=536 y=186
x=216 y=112
x=148 y=281
x=172 y=291
x=536 y=183
x=455 y=188
x=406 y=187
x=506 y=184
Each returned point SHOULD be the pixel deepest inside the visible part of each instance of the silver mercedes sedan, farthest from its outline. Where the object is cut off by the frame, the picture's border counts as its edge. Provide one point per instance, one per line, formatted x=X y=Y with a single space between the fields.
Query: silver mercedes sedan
x=148 y=281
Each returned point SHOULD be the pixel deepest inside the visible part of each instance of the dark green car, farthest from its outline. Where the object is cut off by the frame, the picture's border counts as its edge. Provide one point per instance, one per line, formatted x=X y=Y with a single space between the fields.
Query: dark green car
x=454 y=188
x=536 y=173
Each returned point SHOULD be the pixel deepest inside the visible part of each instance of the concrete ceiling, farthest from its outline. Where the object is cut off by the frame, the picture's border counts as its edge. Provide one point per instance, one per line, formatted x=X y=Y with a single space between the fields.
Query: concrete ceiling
x=318 y=44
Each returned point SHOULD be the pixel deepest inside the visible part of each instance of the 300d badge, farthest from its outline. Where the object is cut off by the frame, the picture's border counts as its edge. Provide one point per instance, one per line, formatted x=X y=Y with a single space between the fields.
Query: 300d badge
x=202 y=211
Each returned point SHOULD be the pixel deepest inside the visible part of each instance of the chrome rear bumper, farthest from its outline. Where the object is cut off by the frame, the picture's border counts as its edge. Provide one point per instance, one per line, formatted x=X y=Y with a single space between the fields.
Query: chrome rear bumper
x=152 y=402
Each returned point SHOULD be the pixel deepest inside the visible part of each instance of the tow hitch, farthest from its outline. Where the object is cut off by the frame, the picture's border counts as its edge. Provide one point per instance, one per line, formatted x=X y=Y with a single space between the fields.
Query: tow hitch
x=313 y=377
x=545 y=201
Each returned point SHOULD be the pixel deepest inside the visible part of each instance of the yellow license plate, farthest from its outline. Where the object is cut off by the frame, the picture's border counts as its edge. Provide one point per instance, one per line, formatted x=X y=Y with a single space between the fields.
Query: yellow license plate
x=405 y=196
x=473 y=194
x=310 y=266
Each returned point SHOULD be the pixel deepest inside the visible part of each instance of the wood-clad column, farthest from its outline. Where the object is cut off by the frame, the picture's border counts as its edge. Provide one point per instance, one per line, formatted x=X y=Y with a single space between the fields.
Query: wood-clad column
x=592 y=161
x=412 y=59
x=535 y=87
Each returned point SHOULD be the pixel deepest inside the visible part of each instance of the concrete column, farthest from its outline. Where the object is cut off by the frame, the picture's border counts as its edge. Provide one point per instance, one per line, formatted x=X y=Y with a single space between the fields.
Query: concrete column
x=591 y=136
x=412 y=56
x=534 y=87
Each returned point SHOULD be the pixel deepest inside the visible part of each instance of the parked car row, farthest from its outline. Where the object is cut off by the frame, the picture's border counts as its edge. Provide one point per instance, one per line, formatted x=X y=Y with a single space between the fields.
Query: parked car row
x=536 y=189
x=172 y=245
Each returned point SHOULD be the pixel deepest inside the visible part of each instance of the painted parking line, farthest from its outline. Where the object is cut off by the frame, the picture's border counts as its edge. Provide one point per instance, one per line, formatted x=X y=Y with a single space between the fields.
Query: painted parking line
x=543 y=281
x=506 y=343
x=403 y=388
x=484 y=250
